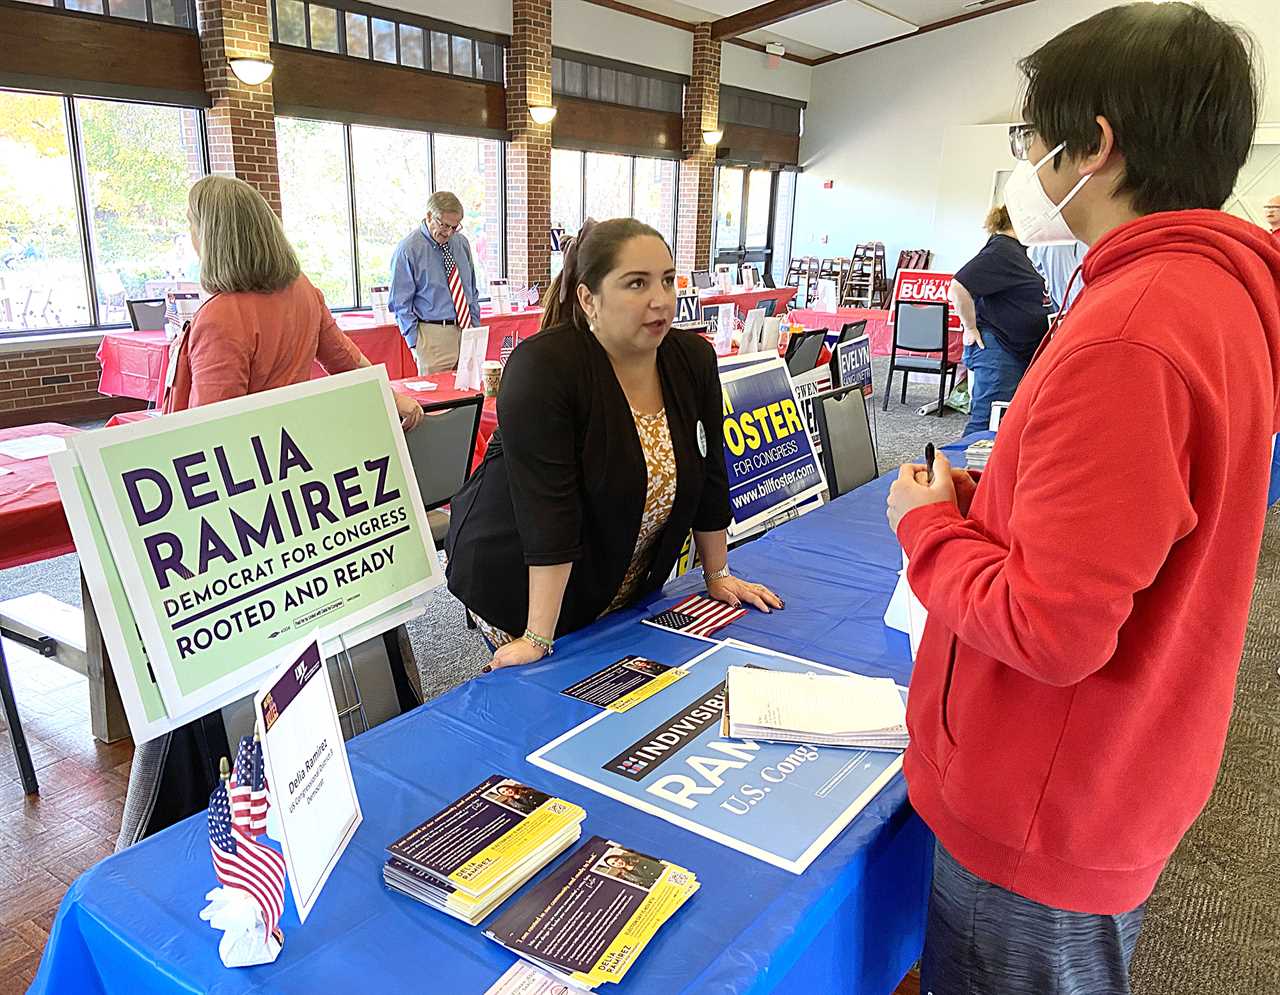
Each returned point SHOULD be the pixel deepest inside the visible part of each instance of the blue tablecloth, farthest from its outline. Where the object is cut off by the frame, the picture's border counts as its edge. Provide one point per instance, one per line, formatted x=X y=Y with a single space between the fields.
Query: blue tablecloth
x=853 y=922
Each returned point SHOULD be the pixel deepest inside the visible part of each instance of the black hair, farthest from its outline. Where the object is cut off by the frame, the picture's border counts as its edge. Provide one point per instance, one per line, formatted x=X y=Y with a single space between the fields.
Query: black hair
x=1179 y=87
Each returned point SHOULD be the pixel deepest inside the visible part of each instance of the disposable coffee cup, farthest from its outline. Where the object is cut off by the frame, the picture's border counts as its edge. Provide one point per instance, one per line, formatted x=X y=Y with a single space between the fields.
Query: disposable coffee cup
x=492 y=377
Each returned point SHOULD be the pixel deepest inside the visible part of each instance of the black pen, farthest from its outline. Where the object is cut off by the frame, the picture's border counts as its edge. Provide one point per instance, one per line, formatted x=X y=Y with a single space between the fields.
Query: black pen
x=928 y=459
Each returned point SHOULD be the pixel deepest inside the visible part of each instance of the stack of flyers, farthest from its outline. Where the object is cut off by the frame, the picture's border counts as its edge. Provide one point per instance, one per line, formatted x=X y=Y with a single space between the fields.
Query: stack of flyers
x=588 y=920
x=976 y=456
x=472 y=855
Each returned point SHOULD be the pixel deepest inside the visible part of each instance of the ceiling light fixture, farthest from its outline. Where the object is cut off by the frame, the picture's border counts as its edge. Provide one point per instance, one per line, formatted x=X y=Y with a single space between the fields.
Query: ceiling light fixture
x=251 y=72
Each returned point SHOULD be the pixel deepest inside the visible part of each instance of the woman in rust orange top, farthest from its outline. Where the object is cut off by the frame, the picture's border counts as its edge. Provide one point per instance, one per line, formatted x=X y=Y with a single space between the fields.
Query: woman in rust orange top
x=265 y=324
x=264 y=327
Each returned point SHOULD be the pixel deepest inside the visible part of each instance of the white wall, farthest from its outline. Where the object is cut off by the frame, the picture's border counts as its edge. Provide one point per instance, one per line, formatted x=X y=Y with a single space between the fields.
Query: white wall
x=489 y=15
x=887 y=127
x=585 y=27
x=748 y=69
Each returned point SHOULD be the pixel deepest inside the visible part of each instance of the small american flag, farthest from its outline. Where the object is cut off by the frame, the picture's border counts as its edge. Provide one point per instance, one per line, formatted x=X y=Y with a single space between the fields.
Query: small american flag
x=247 y=789
x=507 y=348
x=698 y=616
x=244 y=863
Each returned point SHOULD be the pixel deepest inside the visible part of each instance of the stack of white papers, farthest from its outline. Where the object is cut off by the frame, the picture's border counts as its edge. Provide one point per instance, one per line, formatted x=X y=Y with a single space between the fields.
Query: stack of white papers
x=823 y=709
x=976 y=456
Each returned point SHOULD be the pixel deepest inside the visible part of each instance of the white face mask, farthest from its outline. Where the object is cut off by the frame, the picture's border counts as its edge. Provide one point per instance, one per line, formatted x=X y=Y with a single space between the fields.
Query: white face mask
x=1037 y=220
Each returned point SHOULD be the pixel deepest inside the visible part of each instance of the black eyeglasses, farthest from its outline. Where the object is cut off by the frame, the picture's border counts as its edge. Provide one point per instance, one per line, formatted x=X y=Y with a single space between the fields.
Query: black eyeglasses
x=445 y=226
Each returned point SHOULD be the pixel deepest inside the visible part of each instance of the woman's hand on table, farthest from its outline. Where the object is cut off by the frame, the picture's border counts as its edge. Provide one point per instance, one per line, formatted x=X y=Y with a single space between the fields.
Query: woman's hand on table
x=736 y=592
x=410 y=411
x=516 y=653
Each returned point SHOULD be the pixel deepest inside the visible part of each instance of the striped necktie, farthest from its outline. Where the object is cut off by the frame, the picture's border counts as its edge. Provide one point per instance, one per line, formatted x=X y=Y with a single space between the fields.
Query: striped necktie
x=459 y=296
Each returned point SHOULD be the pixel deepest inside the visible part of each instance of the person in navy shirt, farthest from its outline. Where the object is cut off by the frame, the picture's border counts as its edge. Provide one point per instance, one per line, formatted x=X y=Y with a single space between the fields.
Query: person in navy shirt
x=1004 y=311
x=430 y=314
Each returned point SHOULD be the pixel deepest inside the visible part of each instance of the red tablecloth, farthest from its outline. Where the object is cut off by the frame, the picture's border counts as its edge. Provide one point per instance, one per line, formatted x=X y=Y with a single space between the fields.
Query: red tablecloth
x=379 y=343
x=32 y=524
x=519 y=324
x=749 y=299
x=877 y=326
x=134 y=364
x=443 y=394
x=126 y=417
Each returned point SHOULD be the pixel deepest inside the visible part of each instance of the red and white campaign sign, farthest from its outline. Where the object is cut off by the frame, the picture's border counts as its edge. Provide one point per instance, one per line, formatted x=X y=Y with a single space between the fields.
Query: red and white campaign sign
x=923 y=286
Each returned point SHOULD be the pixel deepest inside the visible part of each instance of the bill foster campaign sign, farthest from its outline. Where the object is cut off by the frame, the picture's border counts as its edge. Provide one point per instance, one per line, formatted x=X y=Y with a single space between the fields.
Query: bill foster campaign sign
x=238 y=527
x=768 y=451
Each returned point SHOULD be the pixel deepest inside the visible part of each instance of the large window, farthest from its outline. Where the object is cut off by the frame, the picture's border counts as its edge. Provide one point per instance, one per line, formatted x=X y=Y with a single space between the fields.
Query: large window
x=350 y=193
x=607 y=190
x=386 y=35
x=600 y=186
x=655 y=193
x=178 y=13
x=566 y=190
x=97 y=175
x=392 y=171
x=753 y=217
x=42 y=277
x=472 y=169
x=139 y=163
x=783 y=219
x=317 y=205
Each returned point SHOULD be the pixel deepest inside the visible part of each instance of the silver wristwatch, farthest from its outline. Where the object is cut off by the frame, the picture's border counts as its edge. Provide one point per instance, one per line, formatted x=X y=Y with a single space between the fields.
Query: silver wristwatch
x=720 y=574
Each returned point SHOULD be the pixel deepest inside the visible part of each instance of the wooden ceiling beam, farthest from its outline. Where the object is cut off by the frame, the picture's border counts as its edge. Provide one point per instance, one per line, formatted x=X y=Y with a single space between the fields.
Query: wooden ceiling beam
x=763 y=16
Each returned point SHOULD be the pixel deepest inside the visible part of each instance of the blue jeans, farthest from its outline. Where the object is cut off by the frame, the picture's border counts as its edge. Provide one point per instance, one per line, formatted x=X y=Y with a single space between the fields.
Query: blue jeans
x=997 y=373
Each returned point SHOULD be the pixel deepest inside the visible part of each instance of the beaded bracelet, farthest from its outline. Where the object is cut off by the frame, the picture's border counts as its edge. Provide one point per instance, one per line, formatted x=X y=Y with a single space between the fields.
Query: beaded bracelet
x=540 y=641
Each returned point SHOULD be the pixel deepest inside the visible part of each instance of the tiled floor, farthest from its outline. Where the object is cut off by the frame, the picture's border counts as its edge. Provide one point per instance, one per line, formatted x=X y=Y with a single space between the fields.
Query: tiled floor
x=46 y=841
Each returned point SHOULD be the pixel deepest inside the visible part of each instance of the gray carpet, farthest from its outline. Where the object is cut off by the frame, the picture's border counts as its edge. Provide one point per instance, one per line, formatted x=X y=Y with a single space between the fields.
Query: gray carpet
x=1213 y=926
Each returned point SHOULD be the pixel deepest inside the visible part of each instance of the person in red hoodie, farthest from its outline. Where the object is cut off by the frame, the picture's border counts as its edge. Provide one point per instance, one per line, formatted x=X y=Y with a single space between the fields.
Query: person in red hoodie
x=1087 y=598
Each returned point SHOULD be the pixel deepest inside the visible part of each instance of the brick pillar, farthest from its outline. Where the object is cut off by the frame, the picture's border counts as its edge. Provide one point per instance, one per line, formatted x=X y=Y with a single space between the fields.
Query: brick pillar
x=697 y=170
x=529 y=153
x=241 y=122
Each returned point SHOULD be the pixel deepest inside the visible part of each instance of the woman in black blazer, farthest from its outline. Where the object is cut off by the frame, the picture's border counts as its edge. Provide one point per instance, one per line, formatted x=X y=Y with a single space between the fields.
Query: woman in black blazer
x=610 y=450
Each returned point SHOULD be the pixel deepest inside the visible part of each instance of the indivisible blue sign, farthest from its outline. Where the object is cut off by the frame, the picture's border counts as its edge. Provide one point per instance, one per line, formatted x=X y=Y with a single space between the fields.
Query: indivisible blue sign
x=781 y=803
x=853 y=363
x=767 y=447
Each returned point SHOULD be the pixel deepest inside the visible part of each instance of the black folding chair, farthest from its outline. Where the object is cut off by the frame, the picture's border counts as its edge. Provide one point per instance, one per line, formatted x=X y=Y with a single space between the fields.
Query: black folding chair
x=921 y=328
x=851 y=330
x=803 y=351
x=146 y=315
x=844 y=432
x=441 y=449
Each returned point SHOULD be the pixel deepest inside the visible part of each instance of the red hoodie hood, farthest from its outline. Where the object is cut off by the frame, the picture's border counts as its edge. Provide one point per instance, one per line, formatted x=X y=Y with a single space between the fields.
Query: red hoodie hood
x=1244 y=250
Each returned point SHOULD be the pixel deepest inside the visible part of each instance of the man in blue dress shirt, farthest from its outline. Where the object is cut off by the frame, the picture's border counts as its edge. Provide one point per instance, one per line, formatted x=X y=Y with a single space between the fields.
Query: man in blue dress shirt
x=433 y=285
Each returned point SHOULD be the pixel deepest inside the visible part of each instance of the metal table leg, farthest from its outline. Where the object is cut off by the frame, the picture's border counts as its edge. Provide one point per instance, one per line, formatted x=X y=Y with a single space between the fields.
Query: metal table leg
x=21 y=753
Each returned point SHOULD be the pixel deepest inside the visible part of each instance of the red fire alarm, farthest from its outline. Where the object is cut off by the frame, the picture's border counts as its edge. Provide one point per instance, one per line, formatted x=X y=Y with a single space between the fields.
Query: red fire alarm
x=829 y=185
